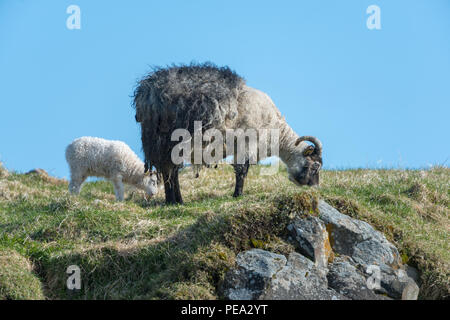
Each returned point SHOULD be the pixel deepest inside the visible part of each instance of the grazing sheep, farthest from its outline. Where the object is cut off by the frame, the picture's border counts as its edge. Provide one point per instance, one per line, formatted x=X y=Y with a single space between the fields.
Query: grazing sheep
x=174 y=97
x=114 y=160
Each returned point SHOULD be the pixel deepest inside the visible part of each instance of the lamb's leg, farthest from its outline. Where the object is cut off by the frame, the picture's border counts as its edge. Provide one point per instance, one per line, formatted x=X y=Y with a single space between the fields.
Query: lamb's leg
x=118 y=188
x=240 y=171
x=76 y=180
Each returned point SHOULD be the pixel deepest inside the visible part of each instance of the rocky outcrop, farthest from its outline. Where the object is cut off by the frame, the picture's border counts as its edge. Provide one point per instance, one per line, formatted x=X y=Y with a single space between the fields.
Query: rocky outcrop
x=357 y=239
x=370 y=252
x=338 y=258
x=263 y=275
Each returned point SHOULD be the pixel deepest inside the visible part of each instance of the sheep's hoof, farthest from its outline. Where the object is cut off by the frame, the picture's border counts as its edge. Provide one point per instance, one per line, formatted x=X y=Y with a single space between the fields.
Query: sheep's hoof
x=174 y=202
x=237 y=194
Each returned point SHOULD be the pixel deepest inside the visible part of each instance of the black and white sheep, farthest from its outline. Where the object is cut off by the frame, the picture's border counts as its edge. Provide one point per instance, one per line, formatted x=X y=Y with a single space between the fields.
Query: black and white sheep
x=113 y=160
x=174 y=97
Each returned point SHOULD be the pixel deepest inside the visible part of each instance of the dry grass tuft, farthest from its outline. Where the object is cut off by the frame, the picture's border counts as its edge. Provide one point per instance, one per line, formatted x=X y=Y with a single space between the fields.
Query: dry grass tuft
x=41 y=173
x=3 y=172
x=17 y=280
x=417 y=192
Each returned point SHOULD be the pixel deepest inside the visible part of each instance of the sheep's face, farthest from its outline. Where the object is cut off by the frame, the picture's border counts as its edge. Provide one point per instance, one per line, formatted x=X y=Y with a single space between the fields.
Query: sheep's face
x=305 y=168
x=150 y=184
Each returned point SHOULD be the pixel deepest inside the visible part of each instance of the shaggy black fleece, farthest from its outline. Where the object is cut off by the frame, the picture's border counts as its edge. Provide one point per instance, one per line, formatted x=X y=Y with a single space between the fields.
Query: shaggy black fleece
x=174 y=97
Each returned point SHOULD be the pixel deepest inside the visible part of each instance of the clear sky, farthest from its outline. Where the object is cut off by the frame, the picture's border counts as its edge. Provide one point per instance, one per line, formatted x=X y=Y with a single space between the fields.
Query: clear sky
x=376 y=98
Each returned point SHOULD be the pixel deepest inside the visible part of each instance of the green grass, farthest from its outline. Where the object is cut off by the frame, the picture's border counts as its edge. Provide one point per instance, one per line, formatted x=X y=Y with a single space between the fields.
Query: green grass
x=147 y=250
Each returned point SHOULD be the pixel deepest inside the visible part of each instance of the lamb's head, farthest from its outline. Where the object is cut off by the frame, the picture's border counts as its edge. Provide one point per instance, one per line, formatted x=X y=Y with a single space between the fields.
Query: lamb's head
x=305 y=163
x=150 y=183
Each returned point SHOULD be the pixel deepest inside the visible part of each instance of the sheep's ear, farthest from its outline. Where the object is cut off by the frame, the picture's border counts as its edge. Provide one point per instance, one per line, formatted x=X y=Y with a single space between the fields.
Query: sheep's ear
x=308 y=151
x=147 y=173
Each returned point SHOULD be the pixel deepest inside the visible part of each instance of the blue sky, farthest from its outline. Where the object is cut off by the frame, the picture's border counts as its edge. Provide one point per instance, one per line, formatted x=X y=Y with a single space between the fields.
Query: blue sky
x=376 y=98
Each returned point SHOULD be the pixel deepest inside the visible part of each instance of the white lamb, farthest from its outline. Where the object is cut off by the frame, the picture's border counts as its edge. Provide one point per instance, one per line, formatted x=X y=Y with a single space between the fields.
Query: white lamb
x=113 y=160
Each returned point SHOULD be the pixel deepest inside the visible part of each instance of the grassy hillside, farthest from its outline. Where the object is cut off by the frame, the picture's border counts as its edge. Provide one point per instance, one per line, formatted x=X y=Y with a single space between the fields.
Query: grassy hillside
x=146 y=250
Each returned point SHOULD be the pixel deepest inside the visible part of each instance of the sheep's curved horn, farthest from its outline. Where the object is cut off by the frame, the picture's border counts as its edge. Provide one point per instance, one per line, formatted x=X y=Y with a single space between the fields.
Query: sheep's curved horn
x=317 y=143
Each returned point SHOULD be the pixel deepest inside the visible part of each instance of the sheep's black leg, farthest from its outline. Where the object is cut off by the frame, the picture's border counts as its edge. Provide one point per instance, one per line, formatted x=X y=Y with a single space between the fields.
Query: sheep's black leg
x=169 y=187
x=172 y=186
x=241 y=171
x=177 y=191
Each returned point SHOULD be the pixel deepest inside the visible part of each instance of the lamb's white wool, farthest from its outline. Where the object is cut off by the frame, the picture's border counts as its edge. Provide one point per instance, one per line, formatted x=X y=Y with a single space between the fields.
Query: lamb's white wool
x=113 y=160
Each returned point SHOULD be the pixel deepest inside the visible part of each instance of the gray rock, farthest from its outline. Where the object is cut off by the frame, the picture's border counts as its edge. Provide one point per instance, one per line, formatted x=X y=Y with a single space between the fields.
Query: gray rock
x=368 y=248
x=368 y=266
x=253 y=274
x=410 y=291
x=311 y=237
x=375 y=252
x=357 y=239
x=261 y=262
x=264 y=275
x=347 y=280
x=300 y=280
x=396 y=283
x=413 y=273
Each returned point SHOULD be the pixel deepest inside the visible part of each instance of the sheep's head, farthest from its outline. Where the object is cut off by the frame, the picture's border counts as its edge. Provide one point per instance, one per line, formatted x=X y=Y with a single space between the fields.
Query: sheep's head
x=306 y=163
x=150 y=183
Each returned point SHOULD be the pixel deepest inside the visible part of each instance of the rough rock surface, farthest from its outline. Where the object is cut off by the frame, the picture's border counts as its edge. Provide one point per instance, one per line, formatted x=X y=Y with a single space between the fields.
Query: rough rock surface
x=255 y=269
x=346 y=279
x=367 y=266
x=263 y=275
x=300 y=279
x=312 y=238
x=397 y=284
x=369 y=250
x=357 y=239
